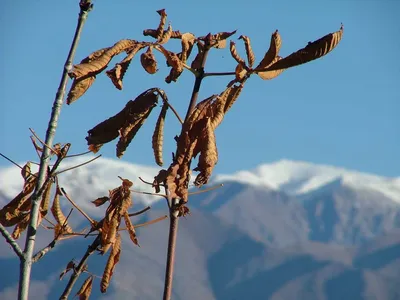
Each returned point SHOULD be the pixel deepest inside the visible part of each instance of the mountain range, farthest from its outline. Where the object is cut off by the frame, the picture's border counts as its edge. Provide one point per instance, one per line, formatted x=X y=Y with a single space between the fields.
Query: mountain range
x=285 y=230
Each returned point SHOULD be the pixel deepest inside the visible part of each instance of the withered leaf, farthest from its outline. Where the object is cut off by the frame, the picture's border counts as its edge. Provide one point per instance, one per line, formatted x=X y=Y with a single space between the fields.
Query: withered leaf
x=165 y=36
x=311 y=52
x=159 y=179
x=217 y=40
x=172 y=59
x=267 y=75
x=272 y=52
x=86 y=289
x=70 y=266
x=57 y=212
x=100 y=201
x=125 y=124
x=249 y=51
x=196 y=63
x=98 y=64
x=161 y=25
x=176 y=34
x=117 y=73
x=131 y=229
x=44 y=206
x=148 y=61
x=240 y=72
x=235 y=54
x=21 y=227
x=188 y=40
x=26 y=170
x=158 y=136
x=112 y=261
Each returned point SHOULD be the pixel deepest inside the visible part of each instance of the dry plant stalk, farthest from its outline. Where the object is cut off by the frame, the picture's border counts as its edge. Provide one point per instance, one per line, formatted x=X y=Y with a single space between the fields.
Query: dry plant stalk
x=196 y=138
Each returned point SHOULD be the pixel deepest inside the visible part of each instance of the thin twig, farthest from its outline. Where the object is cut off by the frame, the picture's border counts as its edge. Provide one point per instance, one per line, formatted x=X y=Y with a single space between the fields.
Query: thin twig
x=79 y=269
x=148 y=193
x=77 y=166
x=52 y=244
x=140 y=211
x=13 y=162
x=76 y=206
x=43 y=143
x=36 y=199
x=35 y=146
x=11 y=241
x=146 y=223
x=218 y=74
x=79 y=154
x=165 y=99
x=146 y=182
x=207 y=189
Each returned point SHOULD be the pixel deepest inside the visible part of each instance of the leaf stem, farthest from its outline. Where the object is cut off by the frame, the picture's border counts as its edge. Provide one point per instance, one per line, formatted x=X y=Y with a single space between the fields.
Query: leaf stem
x=218 y=74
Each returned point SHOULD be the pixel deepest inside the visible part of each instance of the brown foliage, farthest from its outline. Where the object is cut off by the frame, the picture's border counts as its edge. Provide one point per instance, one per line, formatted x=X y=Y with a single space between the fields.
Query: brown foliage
x=100 y=201
x=158 y=136
x=125 y=124
x=86 y=289
x=148 y=61
x=249 y=51
x=272 y=52
x=57 y=212
x=267 y=75
x=70 y=266
x=235 y=54
x=112 y=261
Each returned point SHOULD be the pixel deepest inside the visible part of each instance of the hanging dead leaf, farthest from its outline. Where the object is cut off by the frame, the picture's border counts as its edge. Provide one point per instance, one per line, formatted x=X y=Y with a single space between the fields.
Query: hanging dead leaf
x=161 y=25
x=44 y=205
x=117 y=73
x=26 y=170
x=235 y=54
x=158 y=136
x=57 y=212
x=100 y=201
x=70 y=266
x=125 y=124
x=172 y=59
x=148 y=61
x=98 y=64
x=21 y=227
x=240 y=72
x=188 y=40
x=165 y=36
x=159 y=179
x=272 y=52
x=217 y=40
x=131 y=229
x=173 y=75
x=311 y=52
x=176 y=34
x=267 y=75
x=249 y=51
x=112 y=261
x=86 y=289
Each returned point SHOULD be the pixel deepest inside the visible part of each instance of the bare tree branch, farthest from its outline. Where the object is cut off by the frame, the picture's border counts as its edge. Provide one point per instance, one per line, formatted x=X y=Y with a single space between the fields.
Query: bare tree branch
x=11 y=241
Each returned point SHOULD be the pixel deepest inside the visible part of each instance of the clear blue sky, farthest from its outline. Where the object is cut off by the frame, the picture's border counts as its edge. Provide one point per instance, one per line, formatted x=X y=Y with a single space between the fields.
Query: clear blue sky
x=342 y=109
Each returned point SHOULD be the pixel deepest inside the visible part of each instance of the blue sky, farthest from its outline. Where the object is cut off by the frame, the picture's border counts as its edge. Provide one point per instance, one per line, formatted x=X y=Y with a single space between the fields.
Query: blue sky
x=340 y=110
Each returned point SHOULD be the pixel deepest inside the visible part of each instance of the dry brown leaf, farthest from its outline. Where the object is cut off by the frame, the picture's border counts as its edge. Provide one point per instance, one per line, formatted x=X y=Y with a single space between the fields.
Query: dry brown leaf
x=272 y=52
x=217 y=40
x=235 y=54
x=98 y=64
x=131 y=229
x=240 y=72
x=112 y=261
x=176 y=34
x=267 y=75
x=117 y=73
x=100 y=201
x=26 y=170
x=86 y=289
x=57 y=212
x=161 y=25
x=311 y=52
x=21 y=227
x=158 y=136
x=188 y=40
x=166 y=35
x=148 y=61
x=196 y=63
x=172 y=59
x=173 y=75
x=208 y=155
x=125 y=124
x=249 y=51
x=159 y=179
x=79 y=87
x=70 y=266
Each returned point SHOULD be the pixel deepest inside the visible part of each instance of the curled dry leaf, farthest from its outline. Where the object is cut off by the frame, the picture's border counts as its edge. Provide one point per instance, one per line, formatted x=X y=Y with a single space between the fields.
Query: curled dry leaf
x=173 y=75
x=166 y=35
x=86 y=289
x=188 y=40
x=267 y=75
x=161 y=25
x=100 y=201
x=272 y=52
x=240 y=72
x=131 y=229
x=172 y=59
x=99 y=63
x=208 y=154
x=117 y=73
x=81 y=85
x=26 y=170
x=249 y=51
x=176 y=34
x=57 y=212
x=311 y=52
x=112 y=261
x=158 y=136
x=159 y=179
x=70 y=266
x=148 y=61
x=217 y=40
x=235 y=54
x=125 y=124
x=21 y=227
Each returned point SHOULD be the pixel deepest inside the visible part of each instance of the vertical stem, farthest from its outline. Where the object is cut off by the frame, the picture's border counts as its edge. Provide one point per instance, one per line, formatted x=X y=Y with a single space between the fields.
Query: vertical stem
x=174 y=203
x=26 y=261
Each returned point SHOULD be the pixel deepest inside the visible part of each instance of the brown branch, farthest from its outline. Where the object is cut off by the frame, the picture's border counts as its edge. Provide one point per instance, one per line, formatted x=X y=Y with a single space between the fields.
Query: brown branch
x=91 y=221
x=218 y=74
x=146 y=223
x=140 y=211
x=146 y=182
x=207 y=189
x=77 y=166
x=148 y=193
x=165 y=99
x=79 y=154
x=11 y=241
x=79 y=269
x=43 y=143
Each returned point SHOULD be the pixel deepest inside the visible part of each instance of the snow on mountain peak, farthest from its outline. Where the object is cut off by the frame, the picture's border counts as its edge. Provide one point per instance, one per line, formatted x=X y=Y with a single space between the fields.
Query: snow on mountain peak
x=297 y=177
